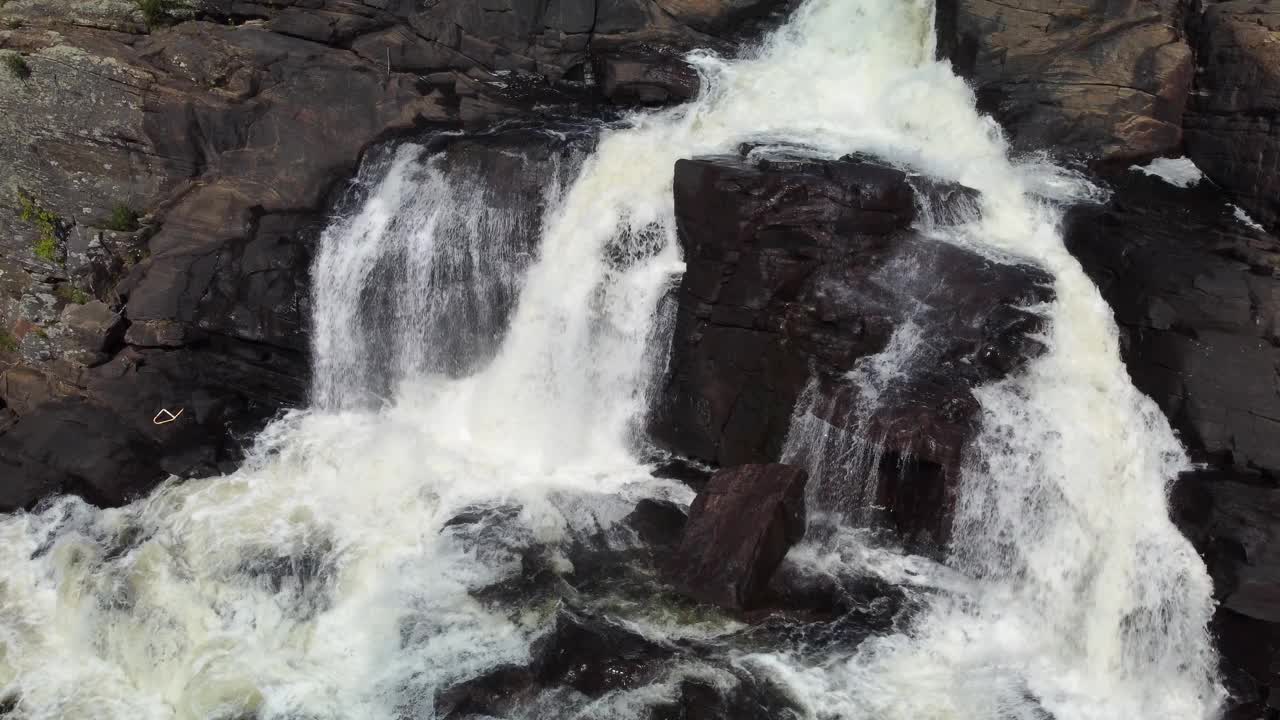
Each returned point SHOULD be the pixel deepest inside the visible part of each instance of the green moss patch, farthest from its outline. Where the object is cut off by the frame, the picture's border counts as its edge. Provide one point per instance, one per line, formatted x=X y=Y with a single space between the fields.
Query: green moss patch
x=157 y=13
x=72 y=294
x=48 y=224
x=122 y=219
x=16 y=65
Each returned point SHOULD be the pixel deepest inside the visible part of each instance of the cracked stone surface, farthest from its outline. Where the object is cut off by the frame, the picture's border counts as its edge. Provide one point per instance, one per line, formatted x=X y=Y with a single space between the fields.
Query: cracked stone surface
x=1108 y=82
x=1233 y=129
x=177 y=175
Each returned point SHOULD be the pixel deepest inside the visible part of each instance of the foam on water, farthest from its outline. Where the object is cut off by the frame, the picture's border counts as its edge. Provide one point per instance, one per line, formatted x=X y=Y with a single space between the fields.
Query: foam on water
x=1180 y=172
x=315 y=582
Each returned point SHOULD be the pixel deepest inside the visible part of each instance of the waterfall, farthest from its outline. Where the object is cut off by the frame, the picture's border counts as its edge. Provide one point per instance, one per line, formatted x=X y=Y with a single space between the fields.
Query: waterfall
x=419 y=280
x=470 y=353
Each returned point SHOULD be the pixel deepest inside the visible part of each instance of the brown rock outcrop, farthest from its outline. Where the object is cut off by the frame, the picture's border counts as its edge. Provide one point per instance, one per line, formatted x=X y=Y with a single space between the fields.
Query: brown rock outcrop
x=740 y=527
x=1233 y=129
x=1108 y=81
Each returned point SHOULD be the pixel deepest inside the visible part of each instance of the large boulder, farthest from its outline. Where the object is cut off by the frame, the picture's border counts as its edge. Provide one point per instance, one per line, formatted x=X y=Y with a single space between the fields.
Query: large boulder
x=740 y=527
x=1233 y=128
x=1196 y=295
x=1109 y=81
x=807 y=274
x=64 y=449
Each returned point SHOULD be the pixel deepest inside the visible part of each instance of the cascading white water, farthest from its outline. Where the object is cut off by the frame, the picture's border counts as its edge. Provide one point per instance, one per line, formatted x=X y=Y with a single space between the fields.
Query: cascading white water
x=415 y=283
x=315 y=582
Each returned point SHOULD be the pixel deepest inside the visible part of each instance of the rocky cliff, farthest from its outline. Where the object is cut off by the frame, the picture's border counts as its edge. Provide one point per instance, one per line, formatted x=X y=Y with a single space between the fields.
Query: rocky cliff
x=164 y=167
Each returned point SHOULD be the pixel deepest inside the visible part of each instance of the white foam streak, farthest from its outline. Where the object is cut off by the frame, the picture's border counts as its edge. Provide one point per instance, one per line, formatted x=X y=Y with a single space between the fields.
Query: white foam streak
x=1179 y=172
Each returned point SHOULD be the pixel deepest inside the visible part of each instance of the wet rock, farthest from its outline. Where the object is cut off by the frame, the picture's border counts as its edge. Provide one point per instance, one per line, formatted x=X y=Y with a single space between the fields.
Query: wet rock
x=690 y=472
x=74 y=447
x=512 y=170
x=751 y=698
x=499 y=540
x=1231 y=128
x=590 y=655
x=1195 y=292
x=638 y=78
x=481 y=518
x=1249 y=648
x=301 y=577
x=487 y=695
x=1109 y=83
x=659 y=523
x=595 y=656
x=805 y=274
x=740 y=527
x=1233 y=521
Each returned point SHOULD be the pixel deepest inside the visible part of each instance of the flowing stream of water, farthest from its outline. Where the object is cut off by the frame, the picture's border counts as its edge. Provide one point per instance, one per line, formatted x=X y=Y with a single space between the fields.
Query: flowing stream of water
x=316 y=582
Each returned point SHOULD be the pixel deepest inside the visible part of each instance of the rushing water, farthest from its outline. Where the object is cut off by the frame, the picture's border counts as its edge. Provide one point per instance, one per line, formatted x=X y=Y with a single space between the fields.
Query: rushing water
x=316 y=581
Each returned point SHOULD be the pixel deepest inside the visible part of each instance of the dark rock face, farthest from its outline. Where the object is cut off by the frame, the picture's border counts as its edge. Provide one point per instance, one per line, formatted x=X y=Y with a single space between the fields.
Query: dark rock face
x=583 y=657
x=1196 y=295
x=1132 y=80
x=800 y=269
x=647 y=79
x=594 y=656
x=659 y=523
x=1233 y=128
x=740 y=527
x=178 y=176
x=1107 y=81
x=100 y=458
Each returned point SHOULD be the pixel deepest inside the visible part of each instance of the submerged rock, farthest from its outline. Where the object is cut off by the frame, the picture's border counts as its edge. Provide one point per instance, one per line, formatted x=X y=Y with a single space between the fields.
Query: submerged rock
x=590 y=655
x=740 y=527
x=749 y=699
x=659 y=523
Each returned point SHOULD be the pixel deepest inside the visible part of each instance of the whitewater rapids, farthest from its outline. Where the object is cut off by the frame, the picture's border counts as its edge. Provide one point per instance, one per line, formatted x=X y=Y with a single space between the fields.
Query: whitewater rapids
x=315 y=582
